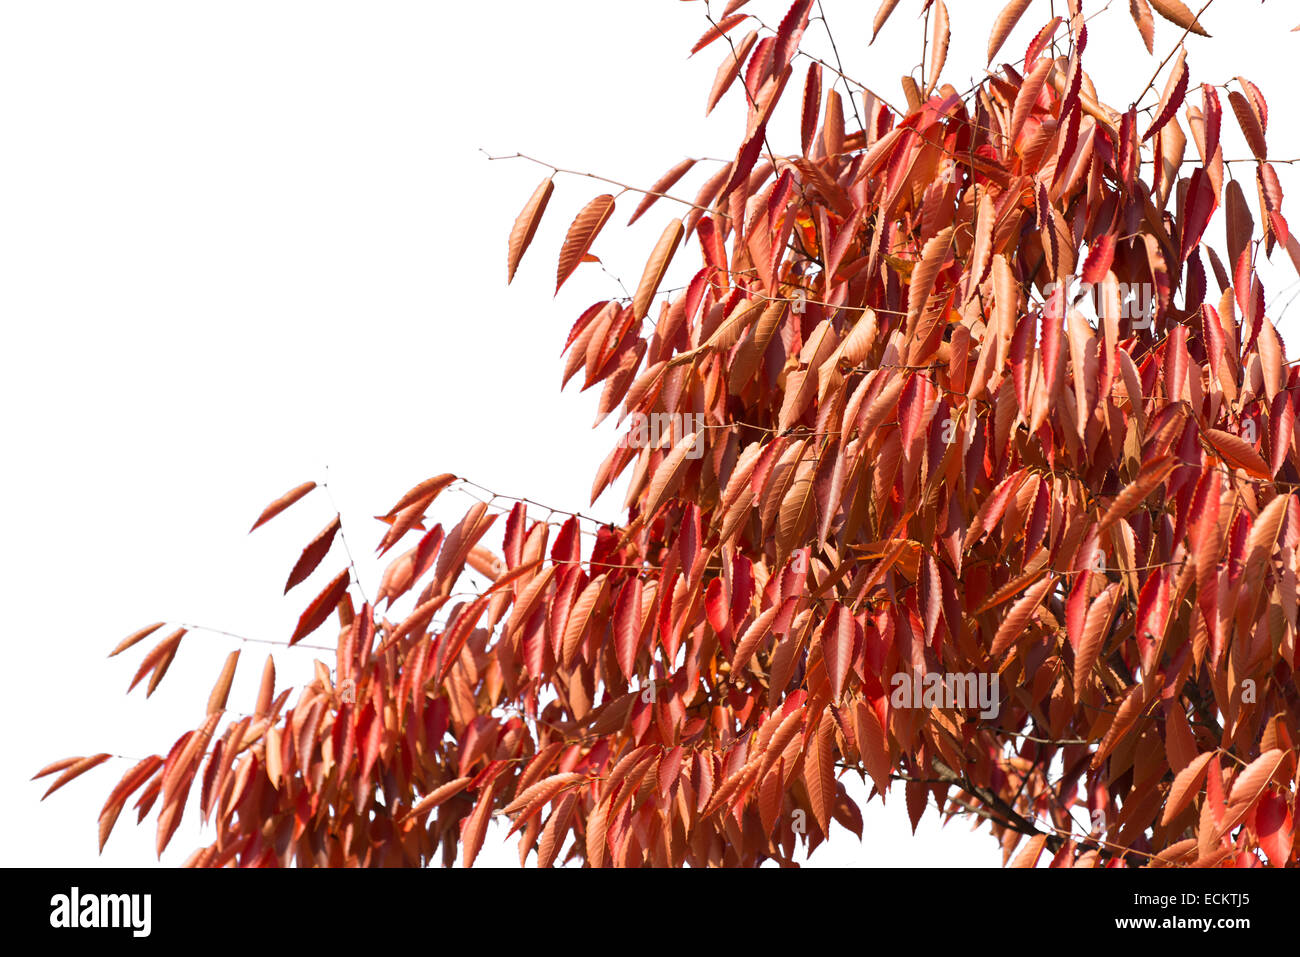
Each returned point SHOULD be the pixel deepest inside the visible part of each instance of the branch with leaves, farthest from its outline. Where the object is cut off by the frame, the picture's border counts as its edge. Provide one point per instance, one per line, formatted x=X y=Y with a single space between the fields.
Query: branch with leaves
x=872 y=442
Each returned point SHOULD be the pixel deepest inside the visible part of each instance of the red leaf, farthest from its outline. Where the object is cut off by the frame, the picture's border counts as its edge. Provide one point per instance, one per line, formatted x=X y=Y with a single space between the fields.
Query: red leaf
x=313 y=554
x=322 y=605
x=1101 y=256
x=745 y=160
x=812 y=98
x=718 y=30
x=1152 y=613
x=1276 y=828
x=1172 y=97
x=789 y=33
x=1212 y=109
x=1200 y=206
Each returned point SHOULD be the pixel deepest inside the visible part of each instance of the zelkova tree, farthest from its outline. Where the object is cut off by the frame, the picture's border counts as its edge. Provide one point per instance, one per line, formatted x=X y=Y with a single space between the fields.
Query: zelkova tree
x=967 y=460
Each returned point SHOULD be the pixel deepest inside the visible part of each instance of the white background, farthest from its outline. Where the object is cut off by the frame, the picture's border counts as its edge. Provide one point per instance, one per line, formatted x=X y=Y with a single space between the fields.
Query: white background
x=246 y=244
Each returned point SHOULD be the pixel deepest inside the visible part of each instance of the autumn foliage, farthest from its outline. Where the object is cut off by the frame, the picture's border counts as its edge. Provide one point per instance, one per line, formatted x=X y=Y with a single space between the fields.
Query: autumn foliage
x=902 y=420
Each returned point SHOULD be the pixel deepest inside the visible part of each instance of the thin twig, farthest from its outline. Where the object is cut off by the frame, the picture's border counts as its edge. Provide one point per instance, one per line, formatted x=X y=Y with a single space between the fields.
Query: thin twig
x=604 y=179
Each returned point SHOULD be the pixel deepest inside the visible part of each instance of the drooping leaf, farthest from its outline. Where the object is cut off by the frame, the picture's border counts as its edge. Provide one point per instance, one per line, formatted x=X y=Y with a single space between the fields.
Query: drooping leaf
x=1004 y=23
x=1186 y=784
x=584 y=229
x=1146 y=23
x=321 y=606
x=661 y=186
x=721 y=29
x=882 y=14
x=521 y=236
x=1172 y=98
x=655 y=268
x=313 y=554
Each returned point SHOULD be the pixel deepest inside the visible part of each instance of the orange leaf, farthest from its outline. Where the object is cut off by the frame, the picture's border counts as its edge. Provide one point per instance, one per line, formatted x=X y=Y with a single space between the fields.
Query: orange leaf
x=1096 y=627
x=819 y=771
x=159 y=657
x=1186 y=784
x=1146 y=23
x=1027 y=98
x=882 y=14
x=582 y=233
x=1248 y=788
x=661 y=185
x=873 y=743
x=1013 y=626
x=476 y=826
x=753 y=635
x=1237 y=452
x=580 y=617
x=81 y=766
x=1175 y=11
x=221 y=690
x=553 y=833
x=1006 y=22
x=1148 y=479
x=281 y=503
x=55 y=766
x=521 y=234
x=940 y=35
x=728 y=70
x=655 y=268
x=1032 y=852
x=131 y=639
x=627 y=625
x=425 y=492
x=438 y=796
x=266 y=692
x=130 y=782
